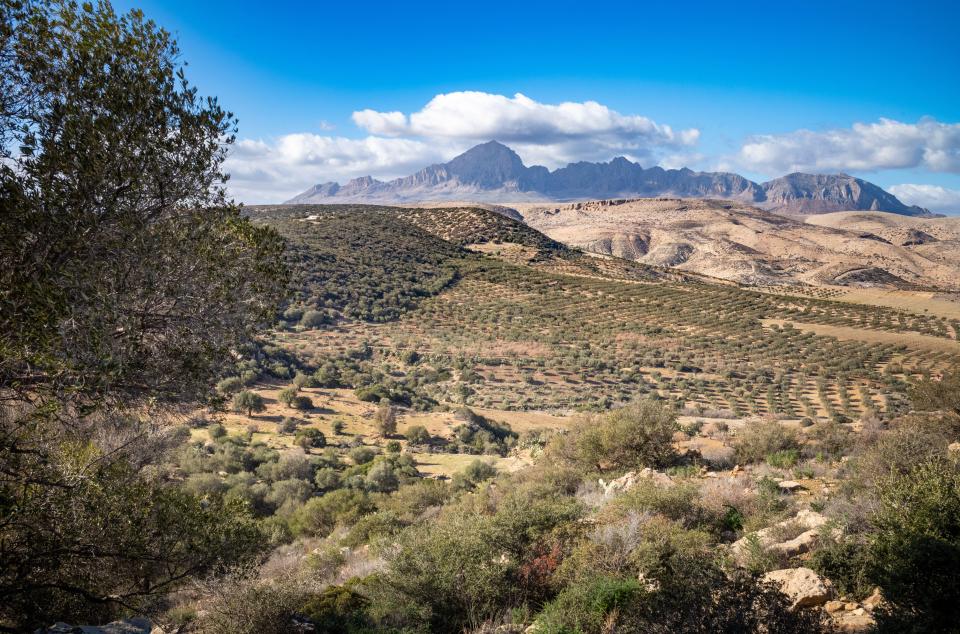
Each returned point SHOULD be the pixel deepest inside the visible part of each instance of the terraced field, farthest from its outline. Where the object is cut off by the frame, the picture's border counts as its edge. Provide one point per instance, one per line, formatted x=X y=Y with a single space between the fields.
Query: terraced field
x=554 y=330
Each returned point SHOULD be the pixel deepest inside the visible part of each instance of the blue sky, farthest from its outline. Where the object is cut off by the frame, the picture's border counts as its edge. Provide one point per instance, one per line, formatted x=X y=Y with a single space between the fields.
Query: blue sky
x=874 y=85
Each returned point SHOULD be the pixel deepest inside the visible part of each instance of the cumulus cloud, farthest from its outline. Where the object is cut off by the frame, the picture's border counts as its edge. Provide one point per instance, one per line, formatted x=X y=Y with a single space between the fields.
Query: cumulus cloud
x=886 y=144
x=482 y=116
x=399 y=143
x=933 y=197
x=546 y=134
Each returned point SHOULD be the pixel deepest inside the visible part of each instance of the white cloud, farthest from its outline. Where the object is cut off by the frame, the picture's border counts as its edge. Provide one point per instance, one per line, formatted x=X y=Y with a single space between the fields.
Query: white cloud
x=886 y=144
x=933 y=197
x=262 y=172
x=480 y=116
x=398 y=143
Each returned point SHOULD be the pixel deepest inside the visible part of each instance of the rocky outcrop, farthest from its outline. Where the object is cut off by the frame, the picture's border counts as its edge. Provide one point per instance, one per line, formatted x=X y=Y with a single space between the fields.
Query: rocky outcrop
x=630 y=480
x=809 y=522
x=804 y=587
x=819 y=193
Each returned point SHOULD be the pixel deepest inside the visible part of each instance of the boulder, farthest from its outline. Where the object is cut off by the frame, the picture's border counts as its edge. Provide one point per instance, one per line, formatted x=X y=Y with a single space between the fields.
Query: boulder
x=872 y=602
x=800 y=544
x=789 y=485
x=804 y=587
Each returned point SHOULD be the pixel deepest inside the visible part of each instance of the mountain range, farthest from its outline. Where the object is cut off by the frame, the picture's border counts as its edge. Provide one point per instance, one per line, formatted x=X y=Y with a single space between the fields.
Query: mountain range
x=492 y=172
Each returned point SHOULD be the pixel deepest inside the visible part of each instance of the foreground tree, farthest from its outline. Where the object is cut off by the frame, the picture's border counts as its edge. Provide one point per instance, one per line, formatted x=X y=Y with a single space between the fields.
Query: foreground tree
x=126 y=279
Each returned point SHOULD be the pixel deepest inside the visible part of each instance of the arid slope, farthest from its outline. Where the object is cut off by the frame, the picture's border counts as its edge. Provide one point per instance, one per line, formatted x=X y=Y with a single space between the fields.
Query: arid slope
x=751 y=246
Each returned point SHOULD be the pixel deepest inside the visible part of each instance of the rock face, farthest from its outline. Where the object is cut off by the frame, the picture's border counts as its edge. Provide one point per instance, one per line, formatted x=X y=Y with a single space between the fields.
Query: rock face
x=819 y=193
x=492 y=172
x=804 y=587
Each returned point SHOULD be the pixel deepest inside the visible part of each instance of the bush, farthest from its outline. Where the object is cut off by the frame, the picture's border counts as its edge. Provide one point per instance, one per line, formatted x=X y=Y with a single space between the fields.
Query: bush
x=230 y=385
x=914 y=553
x=320 y=515
x=362 y=455
x=217 y=431
x=302 y=402
x=844 y=562
x=478 y=471
x=417 y=435
x=636 y=436
x=310 y=437
x=313 y=319
x=302 y=380
x=461 y=568
x=287 y=394
x=393 y=446
x=784 y=459
x=386 y=419
x=944 y=394
x=382 y=478
x=288 y=425
x=327 y=479
x=593 y=605
x=758 y=439
x=338 y=426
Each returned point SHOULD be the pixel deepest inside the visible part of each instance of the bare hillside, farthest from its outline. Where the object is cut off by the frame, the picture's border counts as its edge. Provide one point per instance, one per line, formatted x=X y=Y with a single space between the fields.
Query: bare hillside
x=751 y=246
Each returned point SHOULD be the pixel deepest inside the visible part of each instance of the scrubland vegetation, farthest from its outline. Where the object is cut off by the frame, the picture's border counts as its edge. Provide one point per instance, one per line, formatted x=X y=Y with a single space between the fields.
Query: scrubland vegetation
x=350 y=419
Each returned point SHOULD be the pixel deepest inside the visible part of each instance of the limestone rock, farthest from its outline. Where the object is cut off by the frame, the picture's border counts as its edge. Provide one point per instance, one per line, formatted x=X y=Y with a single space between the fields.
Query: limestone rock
x=874 y=600
x=807 y=519
x=804 y=587
x=629 y=480
x=789 y=485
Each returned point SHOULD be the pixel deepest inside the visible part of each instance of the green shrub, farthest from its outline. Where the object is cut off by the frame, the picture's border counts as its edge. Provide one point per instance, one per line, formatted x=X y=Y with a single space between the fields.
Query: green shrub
x=230 y=385
x=914 y=553
x=758 y=439
x=478 y=471
x=417 y=435
x=382 y=478
x=287 y=394
x=362 y=455
x=327 y=479
x=310 y=437
x=844 y=561
x=636 y=436
x=320 y=515
x=784 y=459
x=591 y=606
x=302 y=402
x=313 y=319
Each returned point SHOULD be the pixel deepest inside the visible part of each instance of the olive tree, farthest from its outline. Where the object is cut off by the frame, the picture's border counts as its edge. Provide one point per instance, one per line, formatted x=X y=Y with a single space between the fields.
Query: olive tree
x=127 y=280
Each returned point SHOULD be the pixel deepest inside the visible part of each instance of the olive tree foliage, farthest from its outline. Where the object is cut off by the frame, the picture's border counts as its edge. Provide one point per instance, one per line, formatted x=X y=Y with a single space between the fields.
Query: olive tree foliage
x=126 y=279
x=124 y=270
